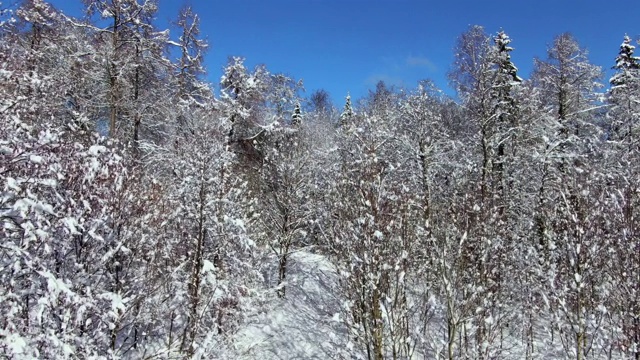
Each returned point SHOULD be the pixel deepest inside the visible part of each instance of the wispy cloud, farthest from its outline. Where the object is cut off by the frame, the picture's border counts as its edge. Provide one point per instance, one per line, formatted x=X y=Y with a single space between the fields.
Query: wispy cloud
x=401 y=71
x=421 y=61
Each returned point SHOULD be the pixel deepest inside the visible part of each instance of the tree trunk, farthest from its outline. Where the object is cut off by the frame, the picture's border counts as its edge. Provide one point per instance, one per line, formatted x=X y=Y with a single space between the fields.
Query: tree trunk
x=113 y=80
x=282 y=272
x=194 y=283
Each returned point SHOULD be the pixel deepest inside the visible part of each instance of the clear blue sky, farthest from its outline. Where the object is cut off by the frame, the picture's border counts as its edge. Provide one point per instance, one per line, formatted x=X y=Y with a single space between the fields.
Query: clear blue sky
x=348 y=45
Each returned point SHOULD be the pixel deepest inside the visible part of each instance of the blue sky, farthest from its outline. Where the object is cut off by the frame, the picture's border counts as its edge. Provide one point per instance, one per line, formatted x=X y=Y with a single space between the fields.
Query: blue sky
x=348 y=45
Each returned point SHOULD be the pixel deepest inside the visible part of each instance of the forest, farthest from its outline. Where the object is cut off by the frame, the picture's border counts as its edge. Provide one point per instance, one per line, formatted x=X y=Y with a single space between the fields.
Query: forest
x=148 y=214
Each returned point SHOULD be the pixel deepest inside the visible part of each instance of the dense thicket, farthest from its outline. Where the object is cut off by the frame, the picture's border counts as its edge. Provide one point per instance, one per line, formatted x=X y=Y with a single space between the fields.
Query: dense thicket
x=144 y=217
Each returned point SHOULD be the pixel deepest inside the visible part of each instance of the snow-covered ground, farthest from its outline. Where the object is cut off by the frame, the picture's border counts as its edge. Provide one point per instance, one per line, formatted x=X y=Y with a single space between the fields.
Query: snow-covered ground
x=307 y=324
x=303 y=325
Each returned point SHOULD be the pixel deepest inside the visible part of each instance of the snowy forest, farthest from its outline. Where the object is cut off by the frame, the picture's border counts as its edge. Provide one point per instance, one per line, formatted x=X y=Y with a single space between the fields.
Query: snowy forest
x=148 y=214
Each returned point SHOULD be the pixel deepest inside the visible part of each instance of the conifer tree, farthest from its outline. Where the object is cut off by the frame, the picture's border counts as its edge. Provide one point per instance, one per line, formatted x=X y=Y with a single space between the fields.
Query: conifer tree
x=296 y=118
x=625 y=84
x=347 y=113
x=505 y=110
x=622 y=158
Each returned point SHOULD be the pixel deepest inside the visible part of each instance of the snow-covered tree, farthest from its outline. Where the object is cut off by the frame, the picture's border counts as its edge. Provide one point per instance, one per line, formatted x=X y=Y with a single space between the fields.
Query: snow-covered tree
x=374 y=235
x=296 y=118
x=622 y=155
x=5 y=16
x=192 y=49
x=347 y=113
x=499 y=225
x=625 y=84
x=243 y=99
x=60 y=212
x=486 y=79
x=506 y=113
x=283 y=94
x=189 y=67
x=132 y=50
x=204 y=241
x=320 y=102
x=571 y=203
x=568 y=82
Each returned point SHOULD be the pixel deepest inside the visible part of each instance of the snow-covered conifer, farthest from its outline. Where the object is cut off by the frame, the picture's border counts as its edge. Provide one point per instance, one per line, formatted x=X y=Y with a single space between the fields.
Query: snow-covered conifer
x=296 y=118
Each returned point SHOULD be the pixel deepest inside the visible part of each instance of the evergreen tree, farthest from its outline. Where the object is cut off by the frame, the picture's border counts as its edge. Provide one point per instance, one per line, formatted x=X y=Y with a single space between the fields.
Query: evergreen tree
x=486 y=80
x=505 y=110
x=622 y=157
x=500 y=226
x=296 y=118
x=347 y=113
x=625 y=61
x=625 y=84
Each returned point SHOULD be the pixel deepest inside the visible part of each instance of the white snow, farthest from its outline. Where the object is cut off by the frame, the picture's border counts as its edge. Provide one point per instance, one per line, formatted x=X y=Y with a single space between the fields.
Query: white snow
x=96 y=150
x=106 y=13
x=13 y=342
x=71 y=224
x=116 y=302
x=36 y=159
x=306 y=324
